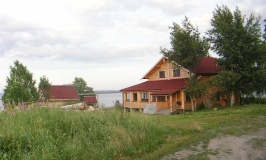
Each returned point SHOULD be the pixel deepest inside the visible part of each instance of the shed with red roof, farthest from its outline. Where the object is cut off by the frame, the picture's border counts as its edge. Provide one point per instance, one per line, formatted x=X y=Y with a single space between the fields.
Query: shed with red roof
x=63 y=93
x=90 y=100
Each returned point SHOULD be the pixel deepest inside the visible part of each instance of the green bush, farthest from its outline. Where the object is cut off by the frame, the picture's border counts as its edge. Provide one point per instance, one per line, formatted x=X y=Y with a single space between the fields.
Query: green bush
x=253 y=100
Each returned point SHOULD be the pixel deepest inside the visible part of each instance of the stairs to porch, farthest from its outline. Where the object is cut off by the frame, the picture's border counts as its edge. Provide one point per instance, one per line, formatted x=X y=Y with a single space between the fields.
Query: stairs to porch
x=150 y=109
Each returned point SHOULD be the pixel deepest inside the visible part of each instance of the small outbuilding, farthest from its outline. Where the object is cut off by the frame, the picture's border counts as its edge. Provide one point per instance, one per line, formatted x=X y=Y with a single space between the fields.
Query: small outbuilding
x=63 y=93
x=90 y=100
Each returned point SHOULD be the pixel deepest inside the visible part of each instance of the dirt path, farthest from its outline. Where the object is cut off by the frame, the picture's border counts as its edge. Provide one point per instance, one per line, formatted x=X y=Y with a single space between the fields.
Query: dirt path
x=251 y=146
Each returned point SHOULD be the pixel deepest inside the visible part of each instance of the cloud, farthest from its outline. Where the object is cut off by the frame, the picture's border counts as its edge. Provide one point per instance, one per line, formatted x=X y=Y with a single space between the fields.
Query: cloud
x=116 y=39
x=99 y=42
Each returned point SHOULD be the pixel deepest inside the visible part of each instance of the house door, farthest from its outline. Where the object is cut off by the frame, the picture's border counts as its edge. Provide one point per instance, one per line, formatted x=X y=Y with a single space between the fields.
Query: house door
x=168 y=99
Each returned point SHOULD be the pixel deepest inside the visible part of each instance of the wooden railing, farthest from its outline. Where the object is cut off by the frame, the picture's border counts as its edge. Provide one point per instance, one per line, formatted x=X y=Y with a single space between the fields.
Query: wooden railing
x=176 y=107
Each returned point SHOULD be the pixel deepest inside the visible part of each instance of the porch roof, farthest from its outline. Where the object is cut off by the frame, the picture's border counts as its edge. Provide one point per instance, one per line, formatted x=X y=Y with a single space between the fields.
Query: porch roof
x=159 y=87
x=166 y=91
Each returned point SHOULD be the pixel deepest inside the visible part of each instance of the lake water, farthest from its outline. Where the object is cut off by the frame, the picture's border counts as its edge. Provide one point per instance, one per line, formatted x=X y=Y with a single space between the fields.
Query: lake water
x=105 y=99
x=108 y=99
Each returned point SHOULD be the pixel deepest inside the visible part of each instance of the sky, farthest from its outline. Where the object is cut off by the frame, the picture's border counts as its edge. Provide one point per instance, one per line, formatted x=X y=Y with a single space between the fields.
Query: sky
x=111 y=44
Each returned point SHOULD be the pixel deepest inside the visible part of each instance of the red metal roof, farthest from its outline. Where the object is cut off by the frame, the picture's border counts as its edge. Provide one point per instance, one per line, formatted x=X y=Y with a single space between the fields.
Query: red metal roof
x=166 y=91
x=160 y=87
x=64 y=92
x=90 y=99
x=208 y=65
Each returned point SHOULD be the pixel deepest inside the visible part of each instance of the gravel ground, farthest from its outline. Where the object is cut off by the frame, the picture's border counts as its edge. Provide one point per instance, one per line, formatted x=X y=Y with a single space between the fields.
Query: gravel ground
x=250 y=146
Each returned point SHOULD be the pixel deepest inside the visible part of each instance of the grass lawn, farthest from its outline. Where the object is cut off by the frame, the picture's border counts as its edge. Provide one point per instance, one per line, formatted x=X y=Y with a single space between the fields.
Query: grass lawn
x=207 y=124
x=44 y=133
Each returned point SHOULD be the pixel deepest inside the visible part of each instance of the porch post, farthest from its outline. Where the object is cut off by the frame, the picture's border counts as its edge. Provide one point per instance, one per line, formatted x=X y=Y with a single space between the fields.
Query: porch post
x=130 y=101
x=150 y=97
x=156 y=104
x=123 y=99
x=138 y=98
x=97 y=97
x=182 y=100
x=171 y=103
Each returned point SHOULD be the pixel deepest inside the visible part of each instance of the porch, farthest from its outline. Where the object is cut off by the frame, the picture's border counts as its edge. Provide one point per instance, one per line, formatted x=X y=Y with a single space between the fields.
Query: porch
x=139 y=100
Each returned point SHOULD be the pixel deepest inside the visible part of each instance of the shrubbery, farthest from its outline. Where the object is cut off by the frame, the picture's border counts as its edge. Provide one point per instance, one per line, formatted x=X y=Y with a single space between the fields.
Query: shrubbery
x=253 y=100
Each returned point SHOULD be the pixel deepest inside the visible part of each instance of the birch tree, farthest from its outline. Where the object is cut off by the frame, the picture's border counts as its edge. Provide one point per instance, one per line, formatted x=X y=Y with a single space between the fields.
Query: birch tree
x=20 y=85
x=45 y=87
x=187 y=47
x=236 y=39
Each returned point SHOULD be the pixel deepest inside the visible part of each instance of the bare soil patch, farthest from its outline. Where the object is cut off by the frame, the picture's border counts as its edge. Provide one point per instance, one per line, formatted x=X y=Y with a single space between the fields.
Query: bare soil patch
x=250 y=146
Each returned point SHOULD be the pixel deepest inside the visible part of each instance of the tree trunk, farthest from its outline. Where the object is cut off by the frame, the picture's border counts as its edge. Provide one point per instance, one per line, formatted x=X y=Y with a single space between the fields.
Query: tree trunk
x=232 y=99
x=192 y=104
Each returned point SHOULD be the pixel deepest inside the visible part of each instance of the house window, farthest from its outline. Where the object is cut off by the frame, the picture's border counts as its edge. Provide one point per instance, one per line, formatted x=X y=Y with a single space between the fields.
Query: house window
x=176 y=72
x=127 y=97
x=144 y=97
x=161 y=98
x=153 y=98
x=135 y=96
x=162 y=74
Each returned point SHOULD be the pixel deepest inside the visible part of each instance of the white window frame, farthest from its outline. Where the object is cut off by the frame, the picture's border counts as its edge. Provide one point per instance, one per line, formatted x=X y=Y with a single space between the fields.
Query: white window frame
x=127 y=97
x=144 y=96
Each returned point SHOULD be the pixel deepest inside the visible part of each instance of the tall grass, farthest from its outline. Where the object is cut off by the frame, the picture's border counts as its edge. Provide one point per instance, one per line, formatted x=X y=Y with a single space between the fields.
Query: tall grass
x=49 y=133
x=45 y=133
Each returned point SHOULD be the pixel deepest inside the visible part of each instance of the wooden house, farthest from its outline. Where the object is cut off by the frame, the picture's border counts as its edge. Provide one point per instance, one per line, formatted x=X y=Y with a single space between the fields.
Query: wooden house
x=165 y=87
